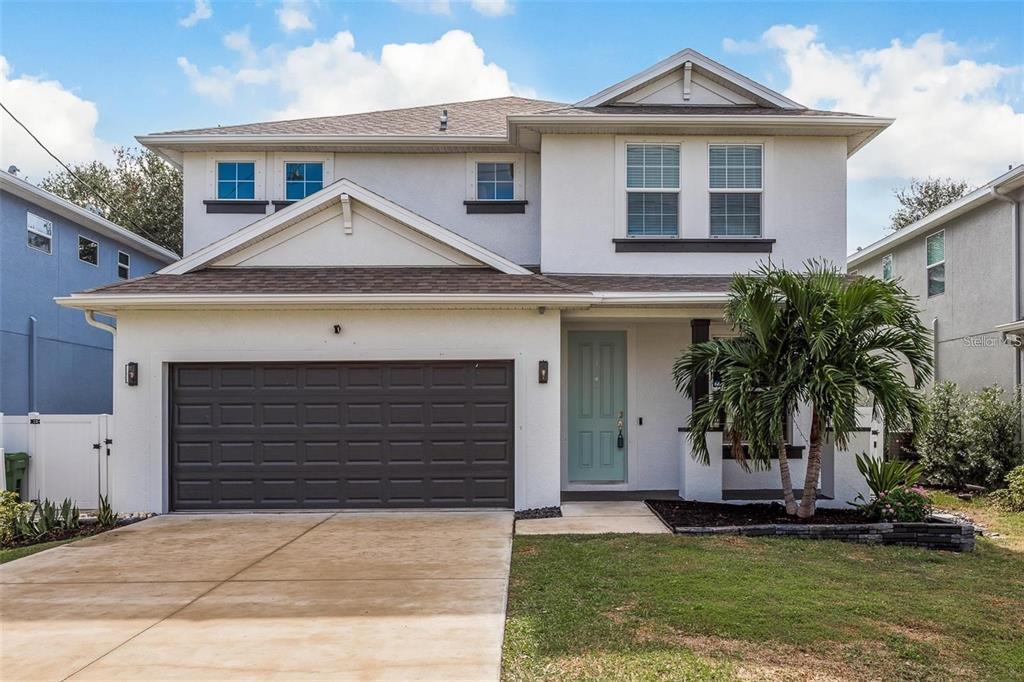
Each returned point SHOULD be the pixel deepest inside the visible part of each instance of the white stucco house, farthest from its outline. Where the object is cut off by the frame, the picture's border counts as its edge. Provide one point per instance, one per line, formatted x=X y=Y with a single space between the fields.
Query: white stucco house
x=473 y=304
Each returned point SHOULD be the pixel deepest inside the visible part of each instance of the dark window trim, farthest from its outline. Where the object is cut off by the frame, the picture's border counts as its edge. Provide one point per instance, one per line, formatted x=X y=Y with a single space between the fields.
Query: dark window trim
x=236 y=205
x=282 y=203
x=495 y=206
x=676 y=245
x=792 y=452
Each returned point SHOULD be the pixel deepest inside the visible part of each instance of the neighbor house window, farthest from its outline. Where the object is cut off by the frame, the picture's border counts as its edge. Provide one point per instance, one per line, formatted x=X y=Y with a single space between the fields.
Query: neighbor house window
x=88 y=251
x=124 y=265
x=494 y=181
x=302 y=179
x=936 y=254
x=236 y=180
x=887 y=267
x=652 y=190
x=40 y=233
x=735 y=182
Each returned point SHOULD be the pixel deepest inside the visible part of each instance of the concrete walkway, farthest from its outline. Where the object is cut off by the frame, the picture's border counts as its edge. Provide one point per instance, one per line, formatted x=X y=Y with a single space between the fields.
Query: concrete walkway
x=596 y=517
x=391 y=596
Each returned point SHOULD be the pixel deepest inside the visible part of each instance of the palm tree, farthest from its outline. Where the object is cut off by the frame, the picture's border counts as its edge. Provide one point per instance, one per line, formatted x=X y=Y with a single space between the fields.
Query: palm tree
x=750 y=388
x=817 y=338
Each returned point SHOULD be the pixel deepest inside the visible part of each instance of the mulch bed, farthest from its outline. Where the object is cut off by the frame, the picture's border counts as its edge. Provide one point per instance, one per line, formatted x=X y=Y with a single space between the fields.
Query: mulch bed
x=684 y=513
x=539 y=513
x=83 y=531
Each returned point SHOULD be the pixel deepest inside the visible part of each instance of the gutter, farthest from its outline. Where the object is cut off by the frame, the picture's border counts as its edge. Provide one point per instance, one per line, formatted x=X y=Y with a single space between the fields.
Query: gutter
x=90 y=319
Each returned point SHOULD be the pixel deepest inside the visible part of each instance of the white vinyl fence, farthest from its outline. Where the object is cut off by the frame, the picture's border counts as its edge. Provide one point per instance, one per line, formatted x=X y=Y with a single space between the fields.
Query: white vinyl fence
x=68 y=453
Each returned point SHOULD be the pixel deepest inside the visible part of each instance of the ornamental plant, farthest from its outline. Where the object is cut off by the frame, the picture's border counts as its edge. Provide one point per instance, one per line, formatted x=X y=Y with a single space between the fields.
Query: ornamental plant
x=901 y=504
x=1011 y=498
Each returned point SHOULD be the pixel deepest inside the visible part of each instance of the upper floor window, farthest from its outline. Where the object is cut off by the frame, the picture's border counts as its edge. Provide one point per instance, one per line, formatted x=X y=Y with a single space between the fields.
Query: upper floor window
x=652 y=190
x=887 y=267
x=494 y=181
x=124 y=265
x=735 y=183
x=935 y=246
x=40 y=233
x=302 y=179
x=88 y=251
x=236 y=180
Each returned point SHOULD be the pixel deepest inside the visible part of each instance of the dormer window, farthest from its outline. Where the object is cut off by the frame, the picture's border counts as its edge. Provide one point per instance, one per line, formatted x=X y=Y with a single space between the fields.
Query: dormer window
x=652 y=190
x=735 y=183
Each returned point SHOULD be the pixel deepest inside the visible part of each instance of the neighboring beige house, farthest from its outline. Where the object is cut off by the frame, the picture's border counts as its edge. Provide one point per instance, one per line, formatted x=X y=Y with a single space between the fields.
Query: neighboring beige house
x=964 y=262
x=468 y=304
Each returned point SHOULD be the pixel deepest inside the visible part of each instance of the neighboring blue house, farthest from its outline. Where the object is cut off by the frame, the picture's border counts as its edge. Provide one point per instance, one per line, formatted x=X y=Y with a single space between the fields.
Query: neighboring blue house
x=51 y=360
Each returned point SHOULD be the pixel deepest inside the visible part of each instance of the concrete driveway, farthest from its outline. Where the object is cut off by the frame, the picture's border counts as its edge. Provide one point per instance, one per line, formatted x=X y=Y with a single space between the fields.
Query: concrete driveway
x=347 y=595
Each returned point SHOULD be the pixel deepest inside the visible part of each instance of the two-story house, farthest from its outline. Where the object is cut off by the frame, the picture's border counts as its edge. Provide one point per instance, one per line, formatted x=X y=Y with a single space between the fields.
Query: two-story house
x=473 y=304
x=51 y=360
x=964 y=263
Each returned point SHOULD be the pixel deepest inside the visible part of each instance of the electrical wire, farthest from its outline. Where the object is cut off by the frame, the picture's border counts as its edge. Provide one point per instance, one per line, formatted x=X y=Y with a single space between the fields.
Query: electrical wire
x=74 y=175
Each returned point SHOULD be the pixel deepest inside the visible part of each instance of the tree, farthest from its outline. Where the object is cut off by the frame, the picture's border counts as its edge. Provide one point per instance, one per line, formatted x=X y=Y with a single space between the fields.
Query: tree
x=922 y=197
x=144 y=193
x=748 y=370
x=814 y=338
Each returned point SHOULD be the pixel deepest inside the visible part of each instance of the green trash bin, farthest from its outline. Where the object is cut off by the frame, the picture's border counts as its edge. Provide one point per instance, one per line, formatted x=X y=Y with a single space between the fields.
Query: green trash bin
x=16 y=469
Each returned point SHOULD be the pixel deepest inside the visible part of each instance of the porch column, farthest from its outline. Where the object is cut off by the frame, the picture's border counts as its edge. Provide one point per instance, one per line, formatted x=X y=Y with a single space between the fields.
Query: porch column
x=700 y=331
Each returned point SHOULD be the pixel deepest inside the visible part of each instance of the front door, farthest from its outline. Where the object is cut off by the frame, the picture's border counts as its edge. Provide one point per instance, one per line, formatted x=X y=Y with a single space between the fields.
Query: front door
x=597 y=407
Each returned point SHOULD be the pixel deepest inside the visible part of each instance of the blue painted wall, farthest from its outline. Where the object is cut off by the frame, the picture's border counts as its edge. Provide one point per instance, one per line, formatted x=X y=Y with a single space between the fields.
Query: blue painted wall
x=74 y=360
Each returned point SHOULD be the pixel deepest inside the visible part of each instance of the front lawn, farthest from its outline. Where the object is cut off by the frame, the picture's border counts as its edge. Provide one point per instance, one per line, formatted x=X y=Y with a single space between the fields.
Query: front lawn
x=665 y=607
x=12 y=553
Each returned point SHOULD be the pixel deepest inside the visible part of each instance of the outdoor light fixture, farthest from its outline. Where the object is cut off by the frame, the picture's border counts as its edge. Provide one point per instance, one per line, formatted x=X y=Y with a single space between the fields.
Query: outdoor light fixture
x=542 y=372
x=337 y=329
x=131 y=374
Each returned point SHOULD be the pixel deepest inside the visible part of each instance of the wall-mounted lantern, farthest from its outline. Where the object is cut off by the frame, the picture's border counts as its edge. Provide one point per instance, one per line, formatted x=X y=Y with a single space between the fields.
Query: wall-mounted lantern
x=131 y=374
x=542 y=372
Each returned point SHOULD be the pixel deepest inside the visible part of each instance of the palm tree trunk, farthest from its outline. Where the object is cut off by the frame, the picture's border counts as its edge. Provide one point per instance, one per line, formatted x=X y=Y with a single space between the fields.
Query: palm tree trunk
x=787 y=480
x=807 y=501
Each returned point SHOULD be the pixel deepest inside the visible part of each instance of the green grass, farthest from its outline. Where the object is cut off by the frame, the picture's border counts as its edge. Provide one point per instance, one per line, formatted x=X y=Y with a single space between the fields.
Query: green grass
x=12 y=553
x=665 y=607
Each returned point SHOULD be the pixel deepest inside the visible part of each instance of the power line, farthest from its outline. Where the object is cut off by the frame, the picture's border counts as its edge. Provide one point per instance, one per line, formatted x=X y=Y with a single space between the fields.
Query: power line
x=74 y=175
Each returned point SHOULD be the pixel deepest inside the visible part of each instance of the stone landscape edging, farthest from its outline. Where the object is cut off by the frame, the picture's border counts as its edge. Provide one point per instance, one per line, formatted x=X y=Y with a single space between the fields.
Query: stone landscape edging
x=955 y=537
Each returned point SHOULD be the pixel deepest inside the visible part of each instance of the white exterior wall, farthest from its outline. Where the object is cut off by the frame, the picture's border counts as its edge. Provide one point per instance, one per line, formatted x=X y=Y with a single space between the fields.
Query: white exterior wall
x=138 y=477
x=432 y=185
x=583 y=186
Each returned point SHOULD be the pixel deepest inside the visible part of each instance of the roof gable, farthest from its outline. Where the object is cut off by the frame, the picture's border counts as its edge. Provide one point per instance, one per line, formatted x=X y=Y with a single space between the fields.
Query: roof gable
x=688 y=78
x=344 y=224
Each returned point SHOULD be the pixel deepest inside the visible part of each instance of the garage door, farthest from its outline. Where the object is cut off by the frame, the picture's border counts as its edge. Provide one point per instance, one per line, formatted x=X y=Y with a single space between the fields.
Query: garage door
x=329 y=435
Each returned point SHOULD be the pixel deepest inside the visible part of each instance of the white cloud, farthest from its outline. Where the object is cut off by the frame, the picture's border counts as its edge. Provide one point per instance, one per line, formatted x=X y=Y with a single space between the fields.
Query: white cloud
x=492 y=8
x=218 y=84
x=240 y=42
x=953 y=116
x=293 y=15
x=427 y=6
x=62 y=120
x=331 y=77
x=201 y=11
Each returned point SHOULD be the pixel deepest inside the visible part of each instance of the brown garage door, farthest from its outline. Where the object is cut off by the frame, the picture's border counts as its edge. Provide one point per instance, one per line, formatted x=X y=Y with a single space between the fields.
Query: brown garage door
x=327 y=435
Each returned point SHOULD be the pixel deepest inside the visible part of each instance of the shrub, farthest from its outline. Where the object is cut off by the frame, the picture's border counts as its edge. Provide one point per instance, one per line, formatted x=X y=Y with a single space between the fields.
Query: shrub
x=14 y=516
x=106 y=516
x=1011 y=498
x=970 y=438
x=902 y=503
x=884 y=476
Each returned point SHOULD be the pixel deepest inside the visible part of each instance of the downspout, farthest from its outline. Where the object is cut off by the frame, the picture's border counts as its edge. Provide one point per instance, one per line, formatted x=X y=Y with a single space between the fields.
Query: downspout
x=935 y=351
x=90 y=319
x=1015 y=253
x=32 y=354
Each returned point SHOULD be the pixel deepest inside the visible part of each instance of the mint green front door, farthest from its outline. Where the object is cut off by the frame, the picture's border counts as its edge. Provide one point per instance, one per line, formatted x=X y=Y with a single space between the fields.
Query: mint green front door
x=597 y=407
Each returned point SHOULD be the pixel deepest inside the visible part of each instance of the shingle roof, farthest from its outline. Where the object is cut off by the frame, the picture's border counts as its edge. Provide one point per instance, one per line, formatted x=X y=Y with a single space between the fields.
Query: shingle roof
x=486 y=117
x=689 y=110
x=394 y=280
x=339 y=280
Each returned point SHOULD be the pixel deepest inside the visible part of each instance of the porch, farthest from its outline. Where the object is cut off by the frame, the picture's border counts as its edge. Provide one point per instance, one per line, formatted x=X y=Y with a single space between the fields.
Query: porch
x=624 y=423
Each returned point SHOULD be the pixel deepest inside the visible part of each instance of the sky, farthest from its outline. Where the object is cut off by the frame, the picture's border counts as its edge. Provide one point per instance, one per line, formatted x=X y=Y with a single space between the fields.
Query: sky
x=86 y=76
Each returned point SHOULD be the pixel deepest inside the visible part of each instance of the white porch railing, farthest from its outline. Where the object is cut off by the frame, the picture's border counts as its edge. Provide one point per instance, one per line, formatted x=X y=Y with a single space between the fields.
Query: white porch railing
x=68 y=453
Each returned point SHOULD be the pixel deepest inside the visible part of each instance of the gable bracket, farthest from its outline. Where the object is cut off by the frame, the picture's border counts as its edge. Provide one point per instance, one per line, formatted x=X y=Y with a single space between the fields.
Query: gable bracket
x=346 y=213
x=687 y=76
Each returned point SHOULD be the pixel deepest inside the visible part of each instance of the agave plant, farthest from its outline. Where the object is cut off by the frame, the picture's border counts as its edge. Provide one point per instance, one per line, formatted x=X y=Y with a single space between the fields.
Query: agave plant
x=105 y=515
x=883 y=477
x=69 y=515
